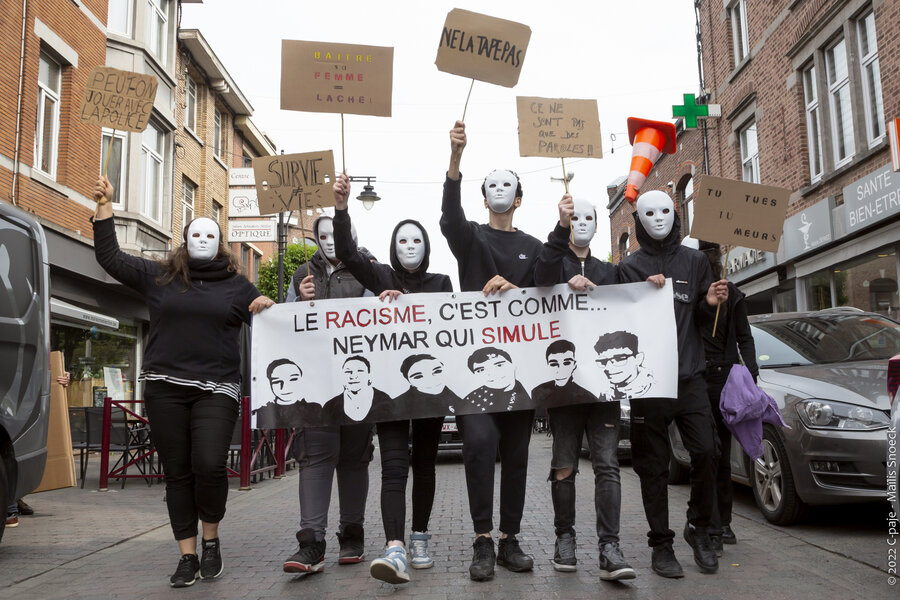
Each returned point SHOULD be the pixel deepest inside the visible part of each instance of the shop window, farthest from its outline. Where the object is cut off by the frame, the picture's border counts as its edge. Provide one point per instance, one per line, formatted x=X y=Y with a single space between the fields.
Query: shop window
x=114 y=164
x=869 y=282
x=786 y=300
x=46 y=136
x=818 y=290
x=101 y=361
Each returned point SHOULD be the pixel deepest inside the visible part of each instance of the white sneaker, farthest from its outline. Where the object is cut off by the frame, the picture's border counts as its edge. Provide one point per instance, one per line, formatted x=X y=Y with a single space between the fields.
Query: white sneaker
x=418 y=551
x=392 y=567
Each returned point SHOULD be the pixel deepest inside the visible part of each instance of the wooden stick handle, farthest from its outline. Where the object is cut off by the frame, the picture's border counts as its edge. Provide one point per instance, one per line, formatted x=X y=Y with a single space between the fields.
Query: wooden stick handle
x=719 y=305
x=466 y=107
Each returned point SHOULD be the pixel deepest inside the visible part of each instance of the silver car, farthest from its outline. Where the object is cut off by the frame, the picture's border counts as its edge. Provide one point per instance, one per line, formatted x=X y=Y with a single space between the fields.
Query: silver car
x=827 y=371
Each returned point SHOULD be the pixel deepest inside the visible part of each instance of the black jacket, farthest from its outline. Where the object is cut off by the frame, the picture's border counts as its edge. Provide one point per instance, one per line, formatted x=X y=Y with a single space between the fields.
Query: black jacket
x=558 y=264
x=378 y=277
x=483 y=252
x=193 y=332
x=691 y=278
x=734 y=341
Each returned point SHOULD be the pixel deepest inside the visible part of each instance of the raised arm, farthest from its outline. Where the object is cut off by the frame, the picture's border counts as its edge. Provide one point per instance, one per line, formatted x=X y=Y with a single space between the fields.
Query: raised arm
x=375 y=277
x=456 y=229
x=548 y=268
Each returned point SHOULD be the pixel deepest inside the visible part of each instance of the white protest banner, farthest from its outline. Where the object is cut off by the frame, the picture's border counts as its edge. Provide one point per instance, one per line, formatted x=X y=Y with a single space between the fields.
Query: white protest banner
x=360 y=359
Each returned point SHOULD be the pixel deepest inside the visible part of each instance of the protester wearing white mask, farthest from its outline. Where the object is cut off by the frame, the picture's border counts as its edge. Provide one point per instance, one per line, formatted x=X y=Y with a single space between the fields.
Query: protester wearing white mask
x=566 y=257
x=198 y=302
x=323 y=451
x=408 y=273
x=492 y=257
x=696 y=295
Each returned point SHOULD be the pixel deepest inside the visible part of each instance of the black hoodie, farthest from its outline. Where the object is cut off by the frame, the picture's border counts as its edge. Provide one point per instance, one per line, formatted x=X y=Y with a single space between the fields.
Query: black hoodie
x=379 y=277
x=691 y=278
x=558 y=264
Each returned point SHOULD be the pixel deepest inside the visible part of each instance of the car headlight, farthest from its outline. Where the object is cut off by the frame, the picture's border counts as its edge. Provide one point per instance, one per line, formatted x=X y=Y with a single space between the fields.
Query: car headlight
x=827 y=414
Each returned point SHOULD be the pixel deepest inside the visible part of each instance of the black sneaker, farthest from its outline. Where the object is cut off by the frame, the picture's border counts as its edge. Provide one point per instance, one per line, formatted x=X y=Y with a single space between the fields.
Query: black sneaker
x=564 y=553
x=483 y=558
x=716 y=541
x=310 y=557
x=353 y=545
x=24 y=508
x=728 y=536
x=186 y=573
x=510 y=555
x=211 y=565
x=612 y=564
x=704 y=555
x=664 y=563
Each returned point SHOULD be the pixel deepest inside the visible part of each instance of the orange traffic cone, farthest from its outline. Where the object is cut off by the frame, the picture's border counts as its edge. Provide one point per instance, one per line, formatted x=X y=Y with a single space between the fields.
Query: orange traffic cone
x=649 y=139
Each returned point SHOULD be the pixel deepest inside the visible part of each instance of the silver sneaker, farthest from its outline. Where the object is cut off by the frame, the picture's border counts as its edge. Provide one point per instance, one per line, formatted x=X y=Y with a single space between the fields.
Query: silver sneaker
x=418 y=550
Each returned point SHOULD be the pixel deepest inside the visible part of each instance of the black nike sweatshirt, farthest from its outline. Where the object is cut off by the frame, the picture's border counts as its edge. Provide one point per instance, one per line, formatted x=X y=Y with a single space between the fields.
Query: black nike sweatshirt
x=558 y=264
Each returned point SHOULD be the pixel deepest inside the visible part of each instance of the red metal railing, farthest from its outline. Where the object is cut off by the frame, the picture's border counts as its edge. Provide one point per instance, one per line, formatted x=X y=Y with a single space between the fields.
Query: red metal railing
x=252 y=456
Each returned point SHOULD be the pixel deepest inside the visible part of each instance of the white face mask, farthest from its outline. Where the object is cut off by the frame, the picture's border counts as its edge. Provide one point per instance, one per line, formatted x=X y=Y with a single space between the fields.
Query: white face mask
x=326 y=238
x=410 y=246
x=203 y=239
x=657 y=213
x=500 y=190
x=584 y=223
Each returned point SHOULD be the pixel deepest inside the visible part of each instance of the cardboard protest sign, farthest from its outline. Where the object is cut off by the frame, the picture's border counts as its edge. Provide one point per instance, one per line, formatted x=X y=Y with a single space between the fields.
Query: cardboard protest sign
x=120 y=100
x=481 y=47
x=737 y=213
x=559 y=127
x=336 y=78
x=428 y=355
x=294 y=181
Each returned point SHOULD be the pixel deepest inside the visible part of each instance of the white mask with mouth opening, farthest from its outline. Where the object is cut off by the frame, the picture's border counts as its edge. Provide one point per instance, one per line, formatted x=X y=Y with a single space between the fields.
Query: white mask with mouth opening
x=203 y=239
x=500 y=190
x=584 y=223
x=657 y=213
x=409 y=244
x=325 y=239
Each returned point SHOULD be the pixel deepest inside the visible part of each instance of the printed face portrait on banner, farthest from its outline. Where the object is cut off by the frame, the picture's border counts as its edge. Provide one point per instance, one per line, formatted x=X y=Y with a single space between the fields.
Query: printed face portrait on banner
x=657 y=213
x=203 y=239
x=425 y=373
x=493 y=368
x=410 y=246
x=325 y=237
x=561 y=359
x=584 y=223
x=500 y=189
x=356 y=375
x=620 y=361
x=285 y=380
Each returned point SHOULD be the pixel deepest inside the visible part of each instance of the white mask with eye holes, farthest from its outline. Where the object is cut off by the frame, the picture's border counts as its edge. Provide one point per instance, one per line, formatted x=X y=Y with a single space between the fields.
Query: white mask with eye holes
x=203 y=239
x=657 y=213
x=500 y=190
x=584 y=223
x=325 y=239
x=409 y=244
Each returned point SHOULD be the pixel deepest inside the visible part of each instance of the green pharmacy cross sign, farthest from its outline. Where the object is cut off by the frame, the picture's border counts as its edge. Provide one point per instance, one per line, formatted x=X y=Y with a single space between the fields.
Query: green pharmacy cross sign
x=690 y=110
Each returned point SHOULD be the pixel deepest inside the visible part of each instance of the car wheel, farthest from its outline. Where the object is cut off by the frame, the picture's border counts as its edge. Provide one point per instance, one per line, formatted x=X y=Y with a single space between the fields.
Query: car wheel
x=678 y=473
x=773 y=483
x=4 y=492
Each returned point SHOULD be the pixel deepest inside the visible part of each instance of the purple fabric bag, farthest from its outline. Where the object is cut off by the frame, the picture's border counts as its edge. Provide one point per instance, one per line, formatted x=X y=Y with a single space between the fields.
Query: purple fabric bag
x=745 y=407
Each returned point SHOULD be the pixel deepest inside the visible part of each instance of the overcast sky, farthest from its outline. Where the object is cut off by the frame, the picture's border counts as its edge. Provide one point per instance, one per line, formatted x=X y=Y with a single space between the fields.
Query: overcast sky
x=635 y=58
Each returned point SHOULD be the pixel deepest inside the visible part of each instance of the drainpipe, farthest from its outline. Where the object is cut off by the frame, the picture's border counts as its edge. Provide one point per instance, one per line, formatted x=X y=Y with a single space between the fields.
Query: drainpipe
x=15 y=176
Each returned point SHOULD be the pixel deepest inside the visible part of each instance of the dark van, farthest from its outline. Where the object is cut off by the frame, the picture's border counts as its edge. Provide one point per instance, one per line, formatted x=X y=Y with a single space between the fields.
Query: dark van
x=24 y=355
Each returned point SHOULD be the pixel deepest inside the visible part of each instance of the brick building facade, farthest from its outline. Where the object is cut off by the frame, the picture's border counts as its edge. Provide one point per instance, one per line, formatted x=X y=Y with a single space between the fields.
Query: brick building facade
x=807 y=95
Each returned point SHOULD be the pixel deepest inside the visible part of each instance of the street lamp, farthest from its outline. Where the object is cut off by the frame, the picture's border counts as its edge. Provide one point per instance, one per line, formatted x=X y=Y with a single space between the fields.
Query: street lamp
x=368 y=197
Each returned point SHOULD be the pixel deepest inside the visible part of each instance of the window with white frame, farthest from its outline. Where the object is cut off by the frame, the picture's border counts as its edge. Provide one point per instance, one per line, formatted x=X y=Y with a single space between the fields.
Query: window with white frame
x=217 y=212
x=737 y=12
x=112 y=160
x=749 y=153
x=813 y=131
x=256 y=261
x=190 y=103
x=46 y=134
x=188 y=192
x=871 y=78
x=152 y=152
x=838 y=79
x=157 y=27
x=218 y=141
x=119 y=17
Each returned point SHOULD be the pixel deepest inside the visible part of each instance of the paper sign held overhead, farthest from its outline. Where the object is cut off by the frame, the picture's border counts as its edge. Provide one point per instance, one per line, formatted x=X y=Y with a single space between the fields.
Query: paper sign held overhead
x=559 y=127
x=294 y=181
x=737 y=213
x=336 y=78
x=481 y=47
x=120 y=100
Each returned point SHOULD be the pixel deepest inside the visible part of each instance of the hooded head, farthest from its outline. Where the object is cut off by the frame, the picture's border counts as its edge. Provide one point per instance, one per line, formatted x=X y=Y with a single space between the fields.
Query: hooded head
x=584 y=223
x=323 y=230
x=501 y=189
x=410 y=247
x=658 y=202
x=656 y=211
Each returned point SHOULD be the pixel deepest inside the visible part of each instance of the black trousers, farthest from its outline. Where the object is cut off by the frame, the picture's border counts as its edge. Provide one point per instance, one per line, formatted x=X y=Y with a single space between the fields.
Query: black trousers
x=482 y=436
x=393 y=442
x=716 y=376
x=650 y=449
x=191 y=430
